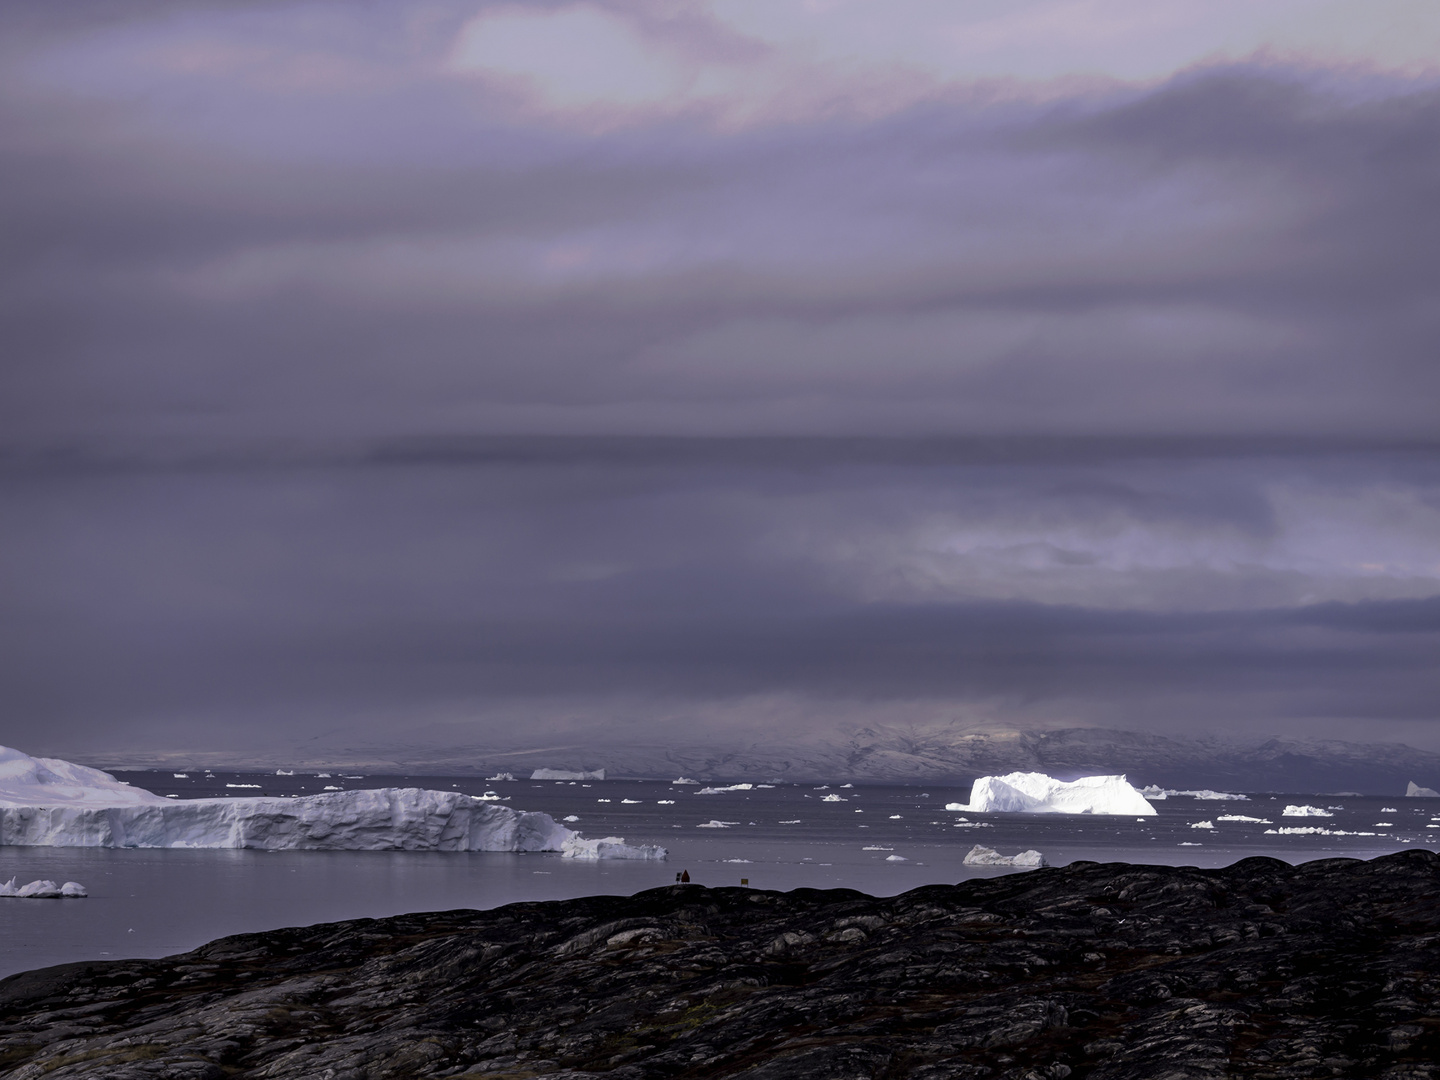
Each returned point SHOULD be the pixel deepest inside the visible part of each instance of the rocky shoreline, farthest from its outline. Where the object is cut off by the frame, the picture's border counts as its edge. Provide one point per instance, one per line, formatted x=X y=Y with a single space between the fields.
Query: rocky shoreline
x=1108 y=971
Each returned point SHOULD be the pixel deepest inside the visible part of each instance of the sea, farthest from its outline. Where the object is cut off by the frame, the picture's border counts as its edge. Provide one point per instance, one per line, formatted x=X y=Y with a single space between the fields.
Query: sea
x=876 y=839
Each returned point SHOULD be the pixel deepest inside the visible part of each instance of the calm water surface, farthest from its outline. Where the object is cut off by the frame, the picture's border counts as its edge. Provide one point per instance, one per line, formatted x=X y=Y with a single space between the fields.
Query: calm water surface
x=880 y=840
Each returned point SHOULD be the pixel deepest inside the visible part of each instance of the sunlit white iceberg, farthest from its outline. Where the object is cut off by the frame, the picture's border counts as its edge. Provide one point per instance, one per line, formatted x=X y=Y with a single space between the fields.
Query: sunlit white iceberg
x=1036 y=793
x=1305 y=811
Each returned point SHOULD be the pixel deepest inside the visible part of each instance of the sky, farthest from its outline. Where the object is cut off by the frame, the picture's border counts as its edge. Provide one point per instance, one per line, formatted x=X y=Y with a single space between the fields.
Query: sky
x=499 y=374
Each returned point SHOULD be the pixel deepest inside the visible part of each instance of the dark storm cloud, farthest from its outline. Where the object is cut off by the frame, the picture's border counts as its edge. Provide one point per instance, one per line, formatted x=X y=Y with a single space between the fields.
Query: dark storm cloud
x=346 y=394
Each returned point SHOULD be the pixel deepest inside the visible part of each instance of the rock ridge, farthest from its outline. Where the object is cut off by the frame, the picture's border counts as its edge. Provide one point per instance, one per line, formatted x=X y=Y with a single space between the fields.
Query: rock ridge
x=1111 y=971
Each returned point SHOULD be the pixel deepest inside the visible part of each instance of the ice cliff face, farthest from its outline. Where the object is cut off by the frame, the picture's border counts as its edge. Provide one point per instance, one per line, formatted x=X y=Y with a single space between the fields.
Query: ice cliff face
x=45 y=802
x=381 y=819
x=1036 y=793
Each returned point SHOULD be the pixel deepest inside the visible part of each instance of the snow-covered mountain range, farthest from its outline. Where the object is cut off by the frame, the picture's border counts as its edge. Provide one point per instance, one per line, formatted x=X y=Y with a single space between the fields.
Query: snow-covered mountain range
x=955 y=754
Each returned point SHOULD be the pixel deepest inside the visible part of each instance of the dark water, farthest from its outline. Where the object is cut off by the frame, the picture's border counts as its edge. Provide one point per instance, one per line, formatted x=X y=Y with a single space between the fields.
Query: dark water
x=153 y=903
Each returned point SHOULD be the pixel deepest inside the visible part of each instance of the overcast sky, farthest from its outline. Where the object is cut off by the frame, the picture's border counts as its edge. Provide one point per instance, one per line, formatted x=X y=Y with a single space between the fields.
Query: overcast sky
x=472 y=373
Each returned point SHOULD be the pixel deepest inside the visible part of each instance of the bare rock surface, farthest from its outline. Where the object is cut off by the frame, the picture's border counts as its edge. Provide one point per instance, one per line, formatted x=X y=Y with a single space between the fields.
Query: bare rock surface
x=1106 y=971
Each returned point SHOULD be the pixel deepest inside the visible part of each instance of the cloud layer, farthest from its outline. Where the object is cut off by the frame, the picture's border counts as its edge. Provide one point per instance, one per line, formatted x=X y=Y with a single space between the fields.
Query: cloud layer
x=614 y=366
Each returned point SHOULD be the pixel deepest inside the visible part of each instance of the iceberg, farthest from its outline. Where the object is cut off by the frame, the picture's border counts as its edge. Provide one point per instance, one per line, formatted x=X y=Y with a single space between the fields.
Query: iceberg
x=980 y=855
x=722 y=790
x=32 y=781
x=44 y=890
x=51 y=803
x=568 y=774
x=1158 y=794
x=1036 y=793
x=1415 y=791
x=500 y=777
x=1304 y=811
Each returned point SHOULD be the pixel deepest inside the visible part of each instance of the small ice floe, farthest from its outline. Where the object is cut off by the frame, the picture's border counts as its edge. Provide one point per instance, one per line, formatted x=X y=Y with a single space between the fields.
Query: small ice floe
x=735 y=860
x=172 y=796
x=629 y=802
x=722 y=790
x=243 y=785
x=322 y=776
x=181 y=775
x=1189 y=843
x=876 y=847
x=1304 y=811
x=834 y=798
x=684 y=780
x=713 y=824
x=1311 y=830
x=602 y=800
x=794 y=822
x=1384 y=824
x=284 y=772
x=332 y=787
x=489 y=796
x=664 y=802
x=764 y=785
x=896 y=858
x=980 y=855
x=43 y=890
x=896 y=817
x=1389 y=810
x=1242 y=817
x=500 y=777
x=571 y=817
x=1202 y=825
x=846 y=785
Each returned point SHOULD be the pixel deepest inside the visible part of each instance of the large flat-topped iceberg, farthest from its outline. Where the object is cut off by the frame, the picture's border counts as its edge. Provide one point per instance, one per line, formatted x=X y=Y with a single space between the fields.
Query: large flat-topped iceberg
x=568 y=774
x=97 y=811
x=1036 y=793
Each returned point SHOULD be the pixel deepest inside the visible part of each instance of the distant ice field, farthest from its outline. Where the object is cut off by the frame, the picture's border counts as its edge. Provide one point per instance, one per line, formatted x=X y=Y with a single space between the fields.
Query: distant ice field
x=878 y=839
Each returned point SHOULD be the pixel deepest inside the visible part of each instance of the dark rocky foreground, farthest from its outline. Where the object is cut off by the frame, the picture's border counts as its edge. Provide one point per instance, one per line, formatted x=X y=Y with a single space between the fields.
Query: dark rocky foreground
x=1261 y=969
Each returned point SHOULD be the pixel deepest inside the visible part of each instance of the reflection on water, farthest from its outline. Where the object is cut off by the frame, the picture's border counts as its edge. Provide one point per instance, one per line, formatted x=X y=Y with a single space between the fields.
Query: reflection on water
x=880 y=840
